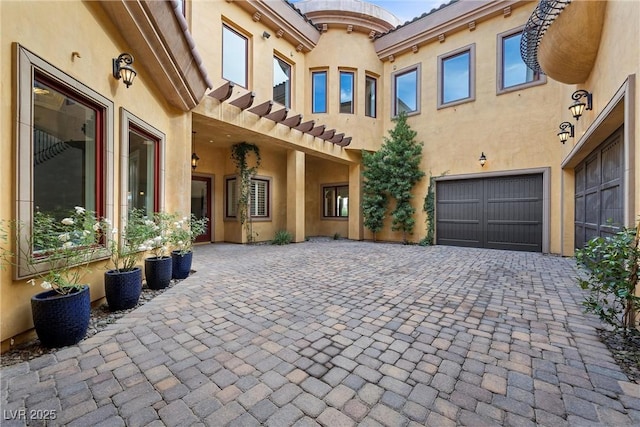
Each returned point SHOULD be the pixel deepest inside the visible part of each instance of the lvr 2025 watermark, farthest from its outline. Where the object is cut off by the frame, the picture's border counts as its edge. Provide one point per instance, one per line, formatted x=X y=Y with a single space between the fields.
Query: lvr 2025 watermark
x=31 y=414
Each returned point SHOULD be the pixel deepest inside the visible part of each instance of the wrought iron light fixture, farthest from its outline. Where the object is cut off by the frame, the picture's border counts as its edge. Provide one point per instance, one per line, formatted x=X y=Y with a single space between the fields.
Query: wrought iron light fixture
x=577 y=108
x=194 y=156
x=482 y=159
x=566 y=131
x=122 y=69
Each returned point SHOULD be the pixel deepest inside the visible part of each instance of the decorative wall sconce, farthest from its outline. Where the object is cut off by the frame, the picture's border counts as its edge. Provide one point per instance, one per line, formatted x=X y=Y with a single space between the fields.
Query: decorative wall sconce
x=194 y=156
x=566 y=131
x=577 y=108
x=482 y=159
x=265 y=35
x=122 y=69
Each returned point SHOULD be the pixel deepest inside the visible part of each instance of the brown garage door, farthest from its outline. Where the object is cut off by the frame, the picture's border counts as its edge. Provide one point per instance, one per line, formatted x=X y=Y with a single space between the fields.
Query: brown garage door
x=498 y=213
x=599 y=198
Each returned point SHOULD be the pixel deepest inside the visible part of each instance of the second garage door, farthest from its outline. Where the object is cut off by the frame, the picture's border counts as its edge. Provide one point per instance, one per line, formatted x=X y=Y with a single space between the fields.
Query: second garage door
x=500 y=213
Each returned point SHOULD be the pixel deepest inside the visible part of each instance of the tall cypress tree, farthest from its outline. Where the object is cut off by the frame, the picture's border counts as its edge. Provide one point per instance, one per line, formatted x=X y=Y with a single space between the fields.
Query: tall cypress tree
x=392 y=172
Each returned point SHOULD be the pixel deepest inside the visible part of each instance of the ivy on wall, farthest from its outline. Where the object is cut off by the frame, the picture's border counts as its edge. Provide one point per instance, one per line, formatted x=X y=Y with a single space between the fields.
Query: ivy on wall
x=240 y=154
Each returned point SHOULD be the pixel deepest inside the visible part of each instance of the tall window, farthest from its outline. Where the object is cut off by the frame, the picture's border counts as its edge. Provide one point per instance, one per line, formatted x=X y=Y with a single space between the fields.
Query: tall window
x=370 y=91
x=234 y=56
x=68 y=132
x=405 y=91
x=335 y=201
x=259 y=197
x=319 y=92
x=143 y=172
x=456 y=76
x=513 y=73
x=346 y=92
x=64 y=146
x=281 y=82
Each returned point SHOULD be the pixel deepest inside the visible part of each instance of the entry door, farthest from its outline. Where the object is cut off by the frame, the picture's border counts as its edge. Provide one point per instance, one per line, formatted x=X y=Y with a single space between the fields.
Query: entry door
x=201 y=204
x=599 y=197
x=498 y=213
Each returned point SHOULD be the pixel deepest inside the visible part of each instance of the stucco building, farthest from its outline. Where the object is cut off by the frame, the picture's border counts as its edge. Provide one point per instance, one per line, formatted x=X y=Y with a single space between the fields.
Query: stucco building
x=312 y=85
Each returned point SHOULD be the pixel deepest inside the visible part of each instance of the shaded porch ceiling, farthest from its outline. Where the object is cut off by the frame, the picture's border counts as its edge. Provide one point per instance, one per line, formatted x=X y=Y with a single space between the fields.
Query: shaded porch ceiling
x=216 y=133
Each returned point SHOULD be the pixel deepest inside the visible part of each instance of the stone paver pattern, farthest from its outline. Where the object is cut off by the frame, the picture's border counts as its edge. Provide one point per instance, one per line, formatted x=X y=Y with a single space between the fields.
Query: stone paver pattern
x=340 y=333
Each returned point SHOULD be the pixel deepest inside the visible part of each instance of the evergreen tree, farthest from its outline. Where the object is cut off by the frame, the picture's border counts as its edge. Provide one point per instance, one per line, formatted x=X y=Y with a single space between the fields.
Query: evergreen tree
x=392 y=172
x=374 y=195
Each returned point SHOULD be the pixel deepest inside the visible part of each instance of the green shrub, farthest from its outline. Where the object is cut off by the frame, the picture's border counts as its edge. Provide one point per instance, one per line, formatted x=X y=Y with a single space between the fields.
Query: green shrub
x=611 y=265
x=336 y=236
x=282 y=237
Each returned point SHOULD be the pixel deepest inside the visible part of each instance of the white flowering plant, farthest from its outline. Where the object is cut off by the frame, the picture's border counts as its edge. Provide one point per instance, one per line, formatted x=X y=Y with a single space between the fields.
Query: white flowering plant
x=185 y=231
x=157 y=234
x=58 y=251
x=126 y=245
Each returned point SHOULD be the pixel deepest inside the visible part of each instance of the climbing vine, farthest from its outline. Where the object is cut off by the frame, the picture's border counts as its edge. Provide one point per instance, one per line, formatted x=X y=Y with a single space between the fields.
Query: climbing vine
x=240 y=156
x=429 y=207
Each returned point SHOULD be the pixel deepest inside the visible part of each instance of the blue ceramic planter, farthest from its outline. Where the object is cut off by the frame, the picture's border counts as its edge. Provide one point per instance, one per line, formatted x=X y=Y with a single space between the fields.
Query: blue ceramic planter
x=157 y=271
x=123 y=288
x=181 y=264
x=61 y=320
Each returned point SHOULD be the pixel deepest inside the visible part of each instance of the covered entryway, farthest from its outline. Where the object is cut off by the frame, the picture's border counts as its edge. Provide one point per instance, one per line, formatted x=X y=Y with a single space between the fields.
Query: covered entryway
x=502 y=212
x=599 y=197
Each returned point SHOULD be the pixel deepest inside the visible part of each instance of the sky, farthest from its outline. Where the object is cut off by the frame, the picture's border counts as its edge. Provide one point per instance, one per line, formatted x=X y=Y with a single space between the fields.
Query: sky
x=405 y=10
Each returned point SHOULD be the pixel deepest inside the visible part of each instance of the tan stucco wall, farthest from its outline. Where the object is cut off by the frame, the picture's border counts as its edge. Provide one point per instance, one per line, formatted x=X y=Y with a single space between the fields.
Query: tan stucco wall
x=207 y=18
x=338 y=51
x=31 y=24
x=515 y=130
x=615 y=62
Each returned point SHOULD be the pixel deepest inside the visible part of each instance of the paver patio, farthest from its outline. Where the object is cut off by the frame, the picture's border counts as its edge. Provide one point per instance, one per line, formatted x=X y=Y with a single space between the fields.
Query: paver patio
x=341 y=333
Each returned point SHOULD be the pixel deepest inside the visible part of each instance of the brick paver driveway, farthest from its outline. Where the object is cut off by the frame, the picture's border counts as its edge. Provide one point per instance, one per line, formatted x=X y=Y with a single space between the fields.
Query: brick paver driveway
x=340 y=333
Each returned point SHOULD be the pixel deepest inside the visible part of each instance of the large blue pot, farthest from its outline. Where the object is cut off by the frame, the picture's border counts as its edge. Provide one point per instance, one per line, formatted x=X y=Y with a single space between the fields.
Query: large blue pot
x=181 y=264
x=157 y=271
x=123 y=288
x=61 y=320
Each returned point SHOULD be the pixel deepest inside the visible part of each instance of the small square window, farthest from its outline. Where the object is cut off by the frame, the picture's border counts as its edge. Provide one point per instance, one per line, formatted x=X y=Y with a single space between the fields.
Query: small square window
x=335 y=201
x=259 y=197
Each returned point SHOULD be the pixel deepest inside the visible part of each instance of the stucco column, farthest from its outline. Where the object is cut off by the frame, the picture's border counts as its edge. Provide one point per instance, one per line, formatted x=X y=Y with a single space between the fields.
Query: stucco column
x=295 y=194
x=356 y=231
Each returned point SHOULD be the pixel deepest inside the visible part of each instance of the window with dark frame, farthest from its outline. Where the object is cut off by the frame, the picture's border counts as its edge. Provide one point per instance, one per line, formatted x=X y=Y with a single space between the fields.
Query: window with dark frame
x=513 y=72
x=335 y=201
x=259 y=206
x=455 y=77
x=144 y=159
x=234 y=56
x=319 y=92
x=370 y=95
x=68 y=162
x=281 y=82
x=405 y=91
x=346 y=92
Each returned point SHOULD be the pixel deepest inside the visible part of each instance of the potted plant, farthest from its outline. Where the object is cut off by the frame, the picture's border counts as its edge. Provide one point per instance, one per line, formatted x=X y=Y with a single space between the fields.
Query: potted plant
x=57 y=253
x=183 y=234
x=157 y=268
x=123 y=283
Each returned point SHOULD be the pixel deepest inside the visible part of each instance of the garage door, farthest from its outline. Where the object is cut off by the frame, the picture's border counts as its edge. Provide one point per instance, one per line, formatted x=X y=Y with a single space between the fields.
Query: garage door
x=599 y=198
x=499 y=213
